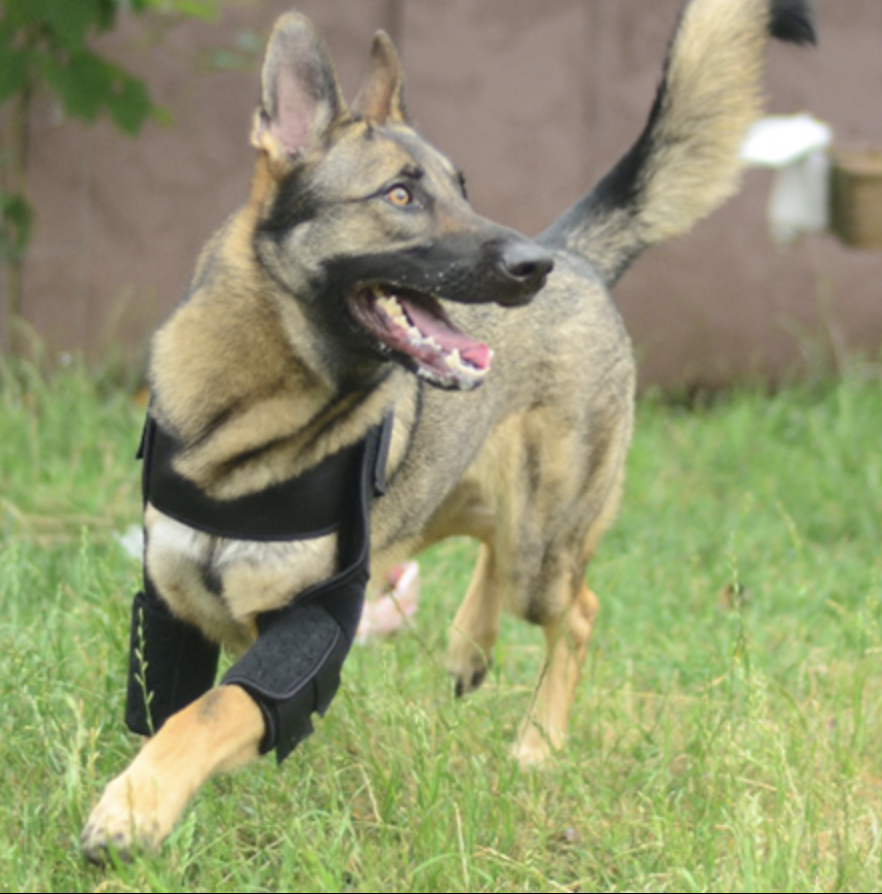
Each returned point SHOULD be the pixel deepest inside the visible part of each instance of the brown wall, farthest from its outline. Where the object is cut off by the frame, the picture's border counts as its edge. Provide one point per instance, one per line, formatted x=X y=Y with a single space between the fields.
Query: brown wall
x=534 y=99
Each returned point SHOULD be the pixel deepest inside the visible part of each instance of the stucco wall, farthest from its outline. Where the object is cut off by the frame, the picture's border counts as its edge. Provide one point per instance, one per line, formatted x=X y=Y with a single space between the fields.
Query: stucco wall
x=535 y=100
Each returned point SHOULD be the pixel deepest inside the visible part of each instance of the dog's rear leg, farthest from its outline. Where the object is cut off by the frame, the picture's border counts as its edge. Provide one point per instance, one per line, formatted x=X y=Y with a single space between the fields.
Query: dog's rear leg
x=566 y=643
x=475 y=627
x=219 y=731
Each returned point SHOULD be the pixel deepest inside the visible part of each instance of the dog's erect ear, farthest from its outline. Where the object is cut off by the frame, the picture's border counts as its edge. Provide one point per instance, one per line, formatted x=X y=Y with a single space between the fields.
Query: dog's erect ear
x=302 y=100
x=381 y=98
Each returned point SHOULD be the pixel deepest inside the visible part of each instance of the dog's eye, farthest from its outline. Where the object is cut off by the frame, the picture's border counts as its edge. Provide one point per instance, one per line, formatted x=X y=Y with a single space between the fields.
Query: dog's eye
x=400 y=196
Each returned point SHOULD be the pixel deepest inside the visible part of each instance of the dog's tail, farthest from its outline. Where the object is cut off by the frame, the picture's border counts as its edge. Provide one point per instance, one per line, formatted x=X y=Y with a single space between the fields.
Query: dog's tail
x=686 y=161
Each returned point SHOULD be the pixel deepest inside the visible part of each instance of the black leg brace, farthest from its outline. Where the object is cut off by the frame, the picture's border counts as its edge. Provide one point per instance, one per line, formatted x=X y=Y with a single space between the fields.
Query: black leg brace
x=293 y=669
x=170 y=664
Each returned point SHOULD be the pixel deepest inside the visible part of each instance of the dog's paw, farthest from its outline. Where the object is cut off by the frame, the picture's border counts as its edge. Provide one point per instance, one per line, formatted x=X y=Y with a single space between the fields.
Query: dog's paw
x=531 y=753
x=469 y=682
x=536 y=744
x=124 y=822
x=467 y=664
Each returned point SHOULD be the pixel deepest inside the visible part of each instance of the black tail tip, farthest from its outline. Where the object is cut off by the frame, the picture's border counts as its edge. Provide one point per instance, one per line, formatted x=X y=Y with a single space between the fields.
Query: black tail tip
x=793 y=21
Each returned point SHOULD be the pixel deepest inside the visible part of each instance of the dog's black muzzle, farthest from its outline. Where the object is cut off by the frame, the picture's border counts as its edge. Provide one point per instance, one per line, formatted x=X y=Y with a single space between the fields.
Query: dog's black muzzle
x=506 y=268
x=466 y=267
x=521 y=268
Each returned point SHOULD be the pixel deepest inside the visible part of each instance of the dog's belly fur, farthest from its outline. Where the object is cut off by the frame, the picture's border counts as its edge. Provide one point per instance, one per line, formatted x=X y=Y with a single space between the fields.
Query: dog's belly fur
x=221 y=584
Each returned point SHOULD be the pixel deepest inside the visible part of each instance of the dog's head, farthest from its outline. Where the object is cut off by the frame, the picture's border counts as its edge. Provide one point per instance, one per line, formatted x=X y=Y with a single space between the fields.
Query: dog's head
x=366 y=224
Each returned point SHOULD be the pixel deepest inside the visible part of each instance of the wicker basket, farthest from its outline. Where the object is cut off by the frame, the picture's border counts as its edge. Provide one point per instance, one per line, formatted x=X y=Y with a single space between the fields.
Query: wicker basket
x=856 y=197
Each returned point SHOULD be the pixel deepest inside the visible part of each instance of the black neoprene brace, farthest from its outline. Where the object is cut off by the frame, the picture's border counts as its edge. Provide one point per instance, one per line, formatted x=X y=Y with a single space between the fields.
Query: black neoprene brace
x=293 y=668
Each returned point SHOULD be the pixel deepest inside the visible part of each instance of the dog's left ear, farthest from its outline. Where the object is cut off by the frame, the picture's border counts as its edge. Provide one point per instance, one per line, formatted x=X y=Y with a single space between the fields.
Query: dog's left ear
x=301 y=97
x=381 y=98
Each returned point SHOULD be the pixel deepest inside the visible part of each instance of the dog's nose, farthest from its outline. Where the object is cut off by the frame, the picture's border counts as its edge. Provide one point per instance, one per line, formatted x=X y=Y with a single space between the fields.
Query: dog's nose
x=524 y=266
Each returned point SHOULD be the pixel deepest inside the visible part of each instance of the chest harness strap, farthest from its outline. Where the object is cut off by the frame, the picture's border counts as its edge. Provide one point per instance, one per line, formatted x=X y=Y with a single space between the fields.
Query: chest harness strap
x=293 y=668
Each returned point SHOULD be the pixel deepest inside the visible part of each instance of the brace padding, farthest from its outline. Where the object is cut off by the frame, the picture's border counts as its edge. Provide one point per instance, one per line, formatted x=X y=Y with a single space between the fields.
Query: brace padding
x=292 y=671
x=170 y=664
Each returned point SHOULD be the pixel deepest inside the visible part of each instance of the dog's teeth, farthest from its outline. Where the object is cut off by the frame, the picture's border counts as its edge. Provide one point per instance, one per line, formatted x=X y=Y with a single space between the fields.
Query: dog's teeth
x=467 y=374
x=388 y=304
x=393 y=309
x=453 y=361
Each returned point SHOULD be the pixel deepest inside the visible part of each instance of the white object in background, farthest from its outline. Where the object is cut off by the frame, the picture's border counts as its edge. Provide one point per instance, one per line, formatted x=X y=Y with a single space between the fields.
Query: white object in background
x=389 y=612
x=795 y=146
x=132 y=540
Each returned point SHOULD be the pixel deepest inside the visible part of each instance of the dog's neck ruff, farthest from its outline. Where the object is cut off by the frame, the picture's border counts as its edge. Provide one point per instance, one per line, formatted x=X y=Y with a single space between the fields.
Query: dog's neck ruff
x=293 y=668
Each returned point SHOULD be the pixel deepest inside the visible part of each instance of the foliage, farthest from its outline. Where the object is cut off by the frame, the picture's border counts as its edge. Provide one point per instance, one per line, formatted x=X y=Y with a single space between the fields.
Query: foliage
x=15 y=226
x=47 y=41
x=50 y=42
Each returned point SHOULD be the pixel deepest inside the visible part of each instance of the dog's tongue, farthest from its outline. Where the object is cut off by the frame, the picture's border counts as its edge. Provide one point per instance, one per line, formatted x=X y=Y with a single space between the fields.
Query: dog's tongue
x=416 y=328
x=475 y=353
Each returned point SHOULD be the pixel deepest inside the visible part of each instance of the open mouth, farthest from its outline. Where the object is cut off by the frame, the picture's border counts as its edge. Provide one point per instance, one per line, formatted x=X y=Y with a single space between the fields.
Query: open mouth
x=414 y=328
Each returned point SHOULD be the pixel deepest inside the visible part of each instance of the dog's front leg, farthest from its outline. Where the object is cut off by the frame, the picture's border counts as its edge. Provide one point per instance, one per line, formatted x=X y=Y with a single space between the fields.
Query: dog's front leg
x=474 y=629
x=219 y=731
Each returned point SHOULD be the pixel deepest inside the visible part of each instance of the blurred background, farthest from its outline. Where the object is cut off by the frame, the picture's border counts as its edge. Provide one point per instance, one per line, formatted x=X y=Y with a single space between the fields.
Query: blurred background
x=534 y=100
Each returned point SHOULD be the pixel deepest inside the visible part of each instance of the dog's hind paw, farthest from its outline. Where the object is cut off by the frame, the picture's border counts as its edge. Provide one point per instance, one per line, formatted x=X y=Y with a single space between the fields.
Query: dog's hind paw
x=535 y=744
x=463 y=685
x=468 y=660
x=468 y=667
x=101 y=849
x=532 y=754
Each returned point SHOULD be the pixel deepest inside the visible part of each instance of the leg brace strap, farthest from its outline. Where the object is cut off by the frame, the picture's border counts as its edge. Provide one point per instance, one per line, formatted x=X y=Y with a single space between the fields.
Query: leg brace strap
x=293 y=669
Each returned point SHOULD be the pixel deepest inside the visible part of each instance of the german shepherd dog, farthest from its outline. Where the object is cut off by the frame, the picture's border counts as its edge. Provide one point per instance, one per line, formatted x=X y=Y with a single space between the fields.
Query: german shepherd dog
x=357 y=285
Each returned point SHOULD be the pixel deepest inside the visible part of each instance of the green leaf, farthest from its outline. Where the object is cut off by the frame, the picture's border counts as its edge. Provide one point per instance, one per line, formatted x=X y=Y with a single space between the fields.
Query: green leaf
x=16 y=218
x=82 y=83
x=129 y=105
x=194 y=9
x=13 y=72
x=21 y=13
x=105 y=17
x=70 y=22
x=88 y=86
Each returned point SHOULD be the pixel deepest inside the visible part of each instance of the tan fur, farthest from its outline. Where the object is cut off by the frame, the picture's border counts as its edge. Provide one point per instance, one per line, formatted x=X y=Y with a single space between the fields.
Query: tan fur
x=217 y=733
x=699 y=137
x=530 y=464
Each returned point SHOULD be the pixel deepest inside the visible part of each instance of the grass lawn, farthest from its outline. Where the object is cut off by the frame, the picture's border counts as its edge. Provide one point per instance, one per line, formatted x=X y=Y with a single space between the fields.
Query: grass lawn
x=726 y=736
